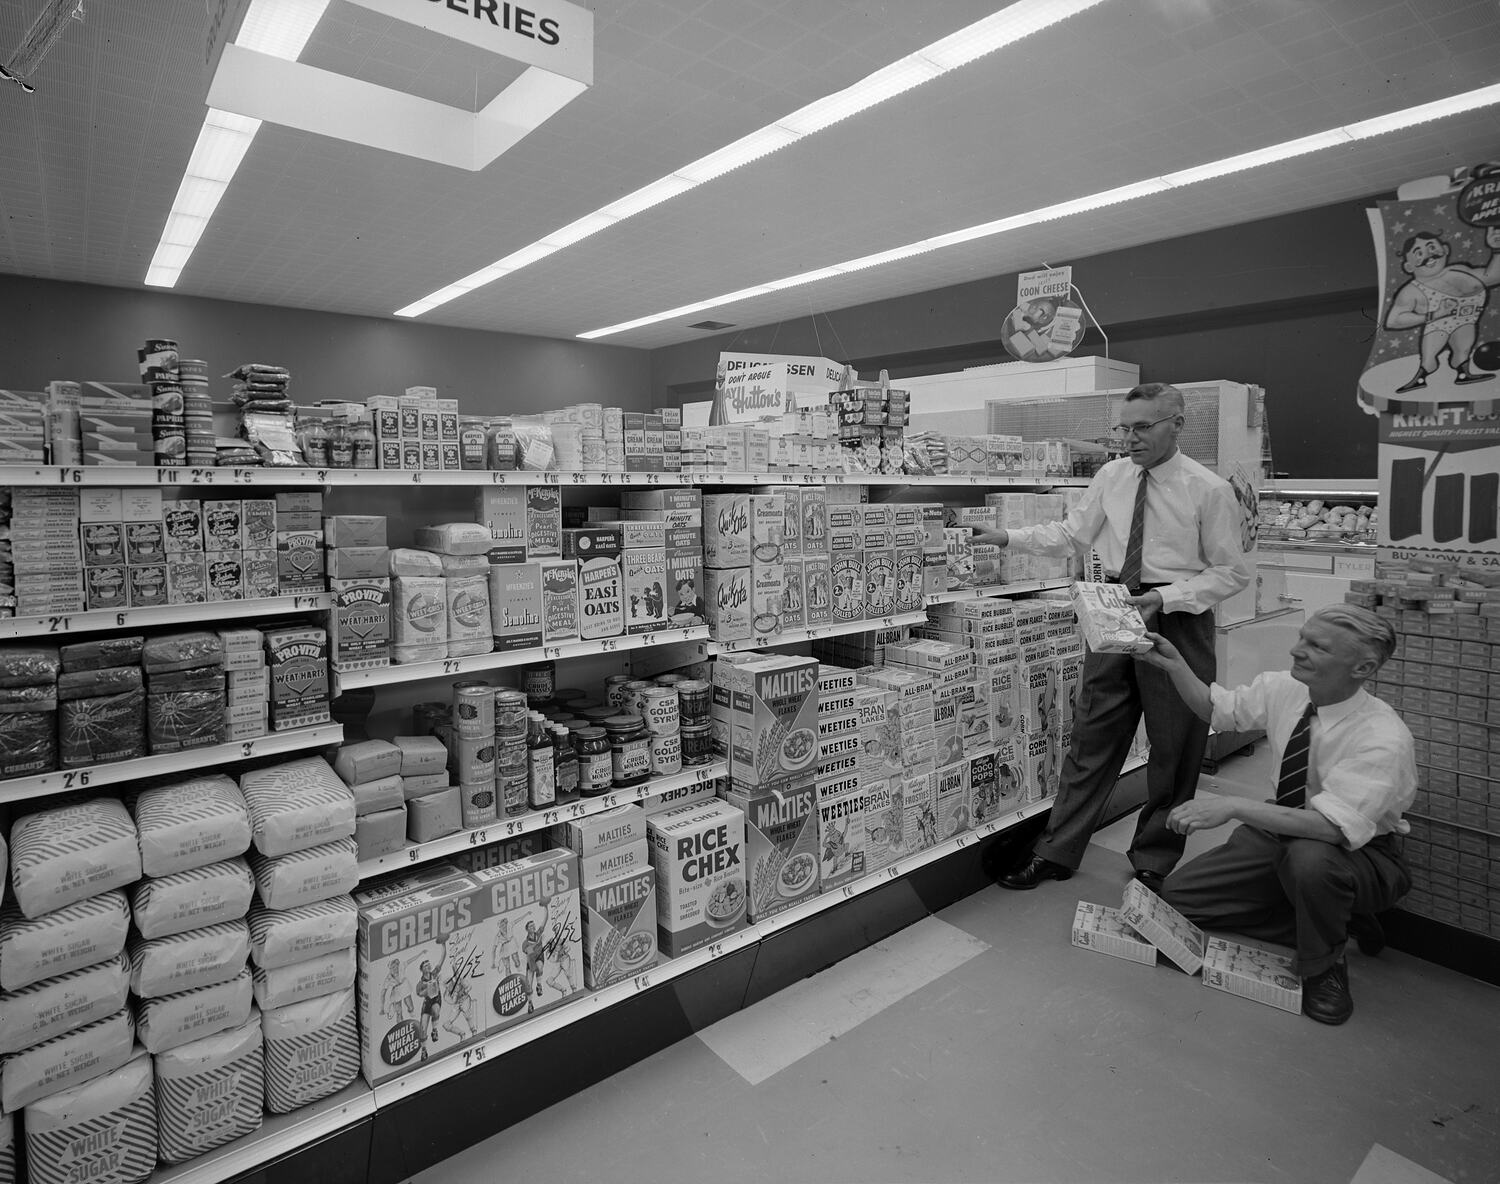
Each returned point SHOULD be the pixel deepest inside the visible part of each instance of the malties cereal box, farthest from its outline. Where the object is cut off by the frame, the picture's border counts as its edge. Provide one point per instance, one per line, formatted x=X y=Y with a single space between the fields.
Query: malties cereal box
x=841 y=839
x=781 y=847
x=775 y=727
x=698 y=853
x=619 y=927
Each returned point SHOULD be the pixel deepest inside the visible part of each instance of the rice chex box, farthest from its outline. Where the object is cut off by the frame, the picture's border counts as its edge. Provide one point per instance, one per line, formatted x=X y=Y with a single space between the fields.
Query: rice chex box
x=698 y=852
x=1163 y=926
x=1262 y=976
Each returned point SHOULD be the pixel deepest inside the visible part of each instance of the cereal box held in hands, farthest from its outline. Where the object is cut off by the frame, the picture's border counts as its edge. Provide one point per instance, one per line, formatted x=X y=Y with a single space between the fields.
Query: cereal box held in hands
x=1260 y=975
x=1163 y=926
x=1099 y=927
x=1109 y=622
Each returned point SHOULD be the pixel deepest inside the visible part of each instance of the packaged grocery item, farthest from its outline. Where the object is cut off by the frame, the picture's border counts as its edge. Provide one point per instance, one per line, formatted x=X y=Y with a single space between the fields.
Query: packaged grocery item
x=191 y=823
x=209 y=1091
x=296 y=982
x=49 y=1008
x=66 y=1060
x=279 y=937
x=419 y=618
x=167 y=1021
x=781 y=846
x=311 y=1050
x=1109 y=622
x=601 y=608
x=619 y=926
x=1163 y=926
x=68 y=853
x=367 y=760
x=102 y=1131
x=515 y=606
x=774 y=727
x=101 y=729
x=697 y=851
x=841 y=839
x=306 y=876
x=188 y=960
x=1099 y=927
x=190 y=900
x=1260 y=975
x=455 y=538
x=66 y=939
x=297 y=805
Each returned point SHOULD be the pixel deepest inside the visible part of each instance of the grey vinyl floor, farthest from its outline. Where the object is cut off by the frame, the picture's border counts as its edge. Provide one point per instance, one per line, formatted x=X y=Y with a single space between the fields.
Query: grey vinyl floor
x=980 y=1045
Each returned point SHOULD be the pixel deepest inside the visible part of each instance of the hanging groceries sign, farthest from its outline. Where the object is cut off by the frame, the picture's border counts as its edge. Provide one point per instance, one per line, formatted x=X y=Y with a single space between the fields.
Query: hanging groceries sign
x=1440 y=485
x=764 y=386
x=556 y=36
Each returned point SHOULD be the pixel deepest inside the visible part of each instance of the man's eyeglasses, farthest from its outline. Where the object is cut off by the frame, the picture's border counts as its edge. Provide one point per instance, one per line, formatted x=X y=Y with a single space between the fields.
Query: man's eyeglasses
x=1122 y=430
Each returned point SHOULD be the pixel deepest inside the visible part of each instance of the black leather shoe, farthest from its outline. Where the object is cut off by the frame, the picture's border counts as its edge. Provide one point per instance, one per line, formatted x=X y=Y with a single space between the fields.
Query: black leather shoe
x=1365 y=928
x=1326 y=998
x=1149 y=878
x=1033 y=872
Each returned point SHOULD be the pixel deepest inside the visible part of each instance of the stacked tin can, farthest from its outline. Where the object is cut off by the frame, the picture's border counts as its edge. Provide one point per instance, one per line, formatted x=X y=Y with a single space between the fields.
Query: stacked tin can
x=612 y=423
x=694 y=702
x=511 y=770
x=658 y=707
x=473 y=750
x=197 y=411
x=159 y=369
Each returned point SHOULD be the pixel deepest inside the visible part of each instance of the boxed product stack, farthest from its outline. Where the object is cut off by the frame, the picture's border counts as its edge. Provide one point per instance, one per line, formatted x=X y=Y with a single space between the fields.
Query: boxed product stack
x=743 y=555
x=64 y=428
x=23 y=427
x=1040 y=719
x=28 y=709
x=871 y=426
x=671 y=438
x=101 y=702
x=434 y=802
x=681 y=513
x=300 y=562
x=184 y=690
x=419 y=606
x=618 y=886
x=845 y=770
x=247 y=683
x=372 y=771
x=115 y=421
x=197 y=411
x=7 y=557
x=643 y=572
x=698 y=854
x=531 y=579
x=64 y=1020
x=45 y=551
x=297 y=665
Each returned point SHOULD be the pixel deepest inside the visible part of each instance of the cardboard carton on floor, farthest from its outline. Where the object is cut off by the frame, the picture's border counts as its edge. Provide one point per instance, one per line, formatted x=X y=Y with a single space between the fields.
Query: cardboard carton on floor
x=1163 y=926
x=1262 y=976
x=1099 y=927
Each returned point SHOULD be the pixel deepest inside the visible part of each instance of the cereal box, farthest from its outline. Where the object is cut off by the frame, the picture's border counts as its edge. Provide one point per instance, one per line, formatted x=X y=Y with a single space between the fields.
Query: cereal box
x=601 y=605
x=619 y=927
x=421 y=976
x=950 y=791
x=1005 y=699
x=685 y=603
x=885 y=824
x=727 y=599
x=813 y=506
x=880 y=582
x=879 y=732
x=781 y=846
x=644 y=572
x=1010 y=772
x=774 y=737
x=918 y=812
x=767 y=586
x=516 y=605
x=1163 y=926
x=1109 y=622
x=1099 y=927
x=841 y=839
x=791 y=528
x=530 y=935
x=1262 y=976
x=984 y=788
x=359 y=623
x=738 y=527
x=817 y=590
x=1041 y=764
x=297 y=658
x=847 y=579
x=698 y=853
x=793 y=594
x=559 y=600
x=909 y=593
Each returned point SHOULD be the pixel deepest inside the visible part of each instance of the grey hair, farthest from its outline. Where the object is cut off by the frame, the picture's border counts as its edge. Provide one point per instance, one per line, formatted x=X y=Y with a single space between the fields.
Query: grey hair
x=1371 y=630
x=1164 y=391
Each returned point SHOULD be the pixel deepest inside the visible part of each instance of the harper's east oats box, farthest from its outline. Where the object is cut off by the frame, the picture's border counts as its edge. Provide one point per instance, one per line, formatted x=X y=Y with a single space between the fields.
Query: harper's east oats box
x=530 y=928
x=559 y=600
x=841 y=839
x=781 y=846
x=817 y=590
x=423 y=976
x=774 y=738
x=502 y=508
x=601 y=602
x=619 y=926
x=698 y=852
x=644 y=574
x=950 y=792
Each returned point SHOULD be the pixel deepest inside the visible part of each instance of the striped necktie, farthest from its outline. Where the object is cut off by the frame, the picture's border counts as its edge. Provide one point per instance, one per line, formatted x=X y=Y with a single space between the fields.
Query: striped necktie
x=1291 y=785
x=1130 y=570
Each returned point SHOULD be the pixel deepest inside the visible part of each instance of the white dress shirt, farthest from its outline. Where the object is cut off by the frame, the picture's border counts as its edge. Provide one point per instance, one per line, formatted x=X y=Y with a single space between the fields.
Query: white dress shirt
x=1193 y=530
x=1361 y=771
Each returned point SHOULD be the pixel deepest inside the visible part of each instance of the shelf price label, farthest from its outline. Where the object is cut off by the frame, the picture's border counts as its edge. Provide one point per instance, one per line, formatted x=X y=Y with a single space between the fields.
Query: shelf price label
x=478 y=838
x=474 y=1056
x=69 y=476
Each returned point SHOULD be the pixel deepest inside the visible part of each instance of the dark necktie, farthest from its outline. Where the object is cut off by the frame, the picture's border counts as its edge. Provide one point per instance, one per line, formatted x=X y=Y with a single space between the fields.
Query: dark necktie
x=1291 y=785
x=1130 y=570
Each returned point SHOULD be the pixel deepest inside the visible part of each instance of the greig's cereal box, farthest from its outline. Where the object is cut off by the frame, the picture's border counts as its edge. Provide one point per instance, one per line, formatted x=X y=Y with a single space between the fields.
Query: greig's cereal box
x=774 y=738
x=698 y=851
x=841 y=839
x=530 y=936
x=619 y=927
x=421 y=977
x=781 y=846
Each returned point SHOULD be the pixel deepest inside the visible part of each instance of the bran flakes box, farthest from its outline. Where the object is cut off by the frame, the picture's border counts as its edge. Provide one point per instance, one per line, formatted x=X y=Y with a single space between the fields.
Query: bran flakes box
x=516 y=605
x=950 y=791
x=841 y=839
x=543 y=522
x=817 y=590
x=420 y=977
x=885 y=824
x=643 y=572
x=559 y=600
x=619 y=927
x=781 y=847
x=774 y=736
x=530 y=935
x=698 y=853
x=359 y=624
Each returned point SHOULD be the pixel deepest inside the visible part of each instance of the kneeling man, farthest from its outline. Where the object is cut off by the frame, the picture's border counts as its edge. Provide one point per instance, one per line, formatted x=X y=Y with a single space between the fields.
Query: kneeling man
x=1312 y=865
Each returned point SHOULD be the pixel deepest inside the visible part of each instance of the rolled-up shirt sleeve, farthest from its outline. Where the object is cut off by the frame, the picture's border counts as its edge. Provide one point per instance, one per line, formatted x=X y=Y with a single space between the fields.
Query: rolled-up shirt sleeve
x=1241 y=709
x=1359 y=791
x=1228 y=568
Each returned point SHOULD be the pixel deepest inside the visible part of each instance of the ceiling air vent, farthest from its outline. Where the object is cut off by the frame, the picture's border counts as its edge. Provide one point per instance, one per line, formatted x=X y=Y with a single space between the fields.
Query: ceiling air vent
x=712 y=325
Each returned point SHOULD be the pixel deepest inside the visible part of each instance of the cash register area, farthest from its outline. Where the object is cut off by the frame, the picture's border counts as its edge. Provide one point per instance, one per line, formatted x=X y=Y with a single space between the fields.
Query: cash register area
x=980 y=1045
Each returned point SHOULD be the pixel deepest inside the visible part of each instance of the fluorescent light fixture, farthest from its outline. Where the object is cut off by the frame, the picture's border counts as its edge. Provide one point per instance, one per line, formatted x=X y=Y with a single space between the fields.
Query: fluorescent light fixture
x=280 y=28
x=1011 y=24
x=1334 y=137
x=581 y=229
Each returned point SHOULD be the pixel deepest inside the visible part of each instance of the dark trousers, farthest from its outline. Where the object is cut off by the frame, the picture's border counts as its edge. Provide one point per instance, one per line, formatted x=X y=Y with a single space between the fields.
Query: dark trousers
x=1113 y=692
x=1295 y=892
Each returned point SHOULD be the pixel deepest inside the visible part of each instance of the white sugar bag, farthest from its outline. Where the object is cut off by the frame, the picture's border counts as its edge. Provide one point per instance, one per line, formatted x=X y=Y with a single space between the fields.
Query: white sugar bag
x=75 y=936
x=209 y=1092
x=190 y=900
x=69 y=853
x=67 y=1060
x=297 y=805
x=191 y=824
x=312 y=1050
x=188 y=960
x=279 y=937
x=171 y=1020
x=306 y=877
x=101 y=1132
x=53 y=1006
x=301 y=981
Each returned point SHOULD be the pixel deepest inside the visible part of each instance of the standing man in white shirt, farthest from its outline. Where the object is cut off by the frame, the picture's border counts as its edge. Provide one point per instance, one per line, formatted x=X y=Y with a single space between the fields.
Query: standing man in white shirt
x=1171 y=531
x=1314 y=864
